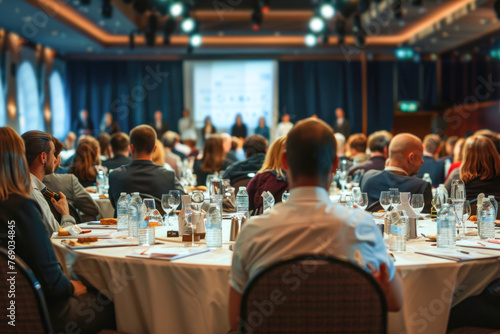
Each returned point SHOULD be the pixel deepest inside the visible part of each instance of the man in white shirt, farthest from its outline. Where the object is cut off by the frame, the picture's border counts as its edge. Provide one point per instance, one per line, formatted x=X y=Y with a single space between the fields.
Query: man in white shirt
x=310 y=223
x=284 y=127
x=186 y=126
x=40 y=154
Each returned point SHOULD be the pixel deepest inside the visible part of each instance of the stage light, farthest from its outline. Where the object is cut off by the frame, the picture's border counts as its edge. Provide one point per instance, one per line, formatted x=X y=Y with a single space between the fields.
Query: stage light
x=151 y=28
x=316 y=24
x=176 y=9
x=327 y=11
x=311 y=40
x=195 y=40
x=141 y=6
x=107 y=9
x=188 y=25
x=168 y=29
x=340 y=30
x=496 y=7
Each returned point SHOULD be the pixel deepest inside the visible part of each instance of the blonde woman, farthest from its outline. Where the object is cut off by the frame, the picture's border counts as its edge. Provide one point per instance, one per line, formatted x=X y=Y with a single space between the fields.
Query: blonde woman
x=271 y=177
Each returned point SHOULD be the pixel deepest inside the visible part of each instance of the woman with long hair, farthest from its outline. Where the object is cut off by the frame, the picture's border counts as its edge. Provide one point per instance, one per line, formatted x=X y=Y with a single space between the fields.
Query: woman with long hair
x=85 y=160
x=271 y=177
x=454 y=170
x=213 y=160
x=22 y=216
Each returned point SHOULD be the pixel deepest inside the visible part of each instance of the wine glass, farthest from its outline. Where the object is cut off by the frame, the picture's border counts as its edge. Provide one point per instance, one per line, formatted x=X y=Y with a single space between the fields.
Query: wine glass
x=361 y=201
x=285 y=196
x=166 y=207
x=174 y=199
x=342 y=179
x=356 y=194
x=385 y=200
x=149 y=204
x=197 y=200
x=417 y=203
x=394 y=194
x=458 y=198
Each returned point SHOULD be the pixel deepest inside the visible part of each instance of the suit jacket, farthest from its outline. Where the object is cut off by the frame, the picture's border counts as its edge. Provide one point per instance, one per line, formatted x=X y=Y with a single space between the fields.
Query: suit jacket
x=344 y=128
x=376 y=162
x=75 y=193
x=376 y=181
x=118 y=161
x=160 y=131
x=240 y=168
x=142 y=176
x=434 y=168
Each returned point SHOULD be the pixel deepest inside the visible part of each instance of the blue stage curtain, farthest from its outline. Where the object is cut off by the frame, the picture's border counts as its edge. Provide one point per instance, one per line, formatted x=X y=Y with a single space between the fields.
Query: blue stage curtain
x=131 y=90
x=417 y=81
x=380 y=95
x=319 y=87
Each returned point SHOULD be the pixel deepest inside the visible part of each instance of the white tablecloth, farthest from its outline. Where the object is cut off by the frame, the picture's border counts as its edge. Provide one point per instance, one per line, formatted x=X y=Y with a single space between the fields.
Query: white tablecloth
x=190 y=295
x=105 y=206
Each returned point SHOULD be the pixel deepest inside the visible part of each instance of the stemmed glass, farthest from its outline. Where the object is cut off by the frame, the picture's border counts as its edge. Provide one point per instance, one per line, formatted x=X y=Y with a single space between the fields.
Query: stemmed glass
x=385 y=200
x=465 y=216
x=417 y=203
x=165 y=204
x=361 y=201
x=356 y=194
x=342 y=175
x=395 y=200
x=197 y=199
x=458 y=199
x=174 y=200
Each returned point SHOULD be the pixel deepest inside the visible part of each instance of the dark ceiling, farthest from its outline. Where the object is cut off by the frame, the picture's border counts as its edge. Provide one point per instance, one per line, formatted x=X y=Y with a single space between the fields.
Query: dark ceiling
x=226 y=18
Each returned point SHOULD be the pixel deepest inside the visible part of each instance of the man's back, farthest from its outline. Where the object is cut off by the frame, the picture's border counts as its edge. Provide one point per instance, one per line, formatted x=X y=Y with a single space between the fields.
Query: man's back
x=374 y=182
x=435 y=169
x=376 y=163
x=142 y=176
x=308 y=223
x=241 y=168
x=118 y=161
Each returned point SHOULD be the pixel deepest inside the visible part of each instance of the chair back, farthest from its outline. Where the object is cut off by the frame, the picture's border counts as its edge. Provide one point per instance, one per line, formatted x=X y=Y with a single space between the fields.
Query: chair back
x=240 y=182
x=31 y=315
x=313 y=294
x=157 y=202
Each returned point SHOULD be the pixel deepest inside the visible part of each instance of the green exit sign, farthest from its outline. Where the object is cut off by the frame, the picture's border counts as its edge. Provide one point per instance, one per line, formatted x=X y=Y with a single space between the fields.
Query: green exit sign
x=408 y=106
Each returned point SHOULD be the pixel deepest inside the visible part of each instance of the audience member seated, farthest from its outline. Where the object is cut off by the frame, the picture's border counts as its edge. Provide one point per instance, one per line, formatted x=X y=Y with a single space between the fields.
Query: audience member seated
x=356 y=144
x=263 y=129
x=493 y=136
x=41 y=159
x=142 y=175
x=158 y=156
x=108 y=124
x=310 y=223
x=283 y=127
x=271 y=177
x=457 y=159
x=447 y=155
x=21 y=214
x=239 y=129
x=434 y=167
x=405 y=158
x=85 y=161
x=213 y=160
x=227 y=144
x=104 y=140
x=168 y=140
x=378 y=142
x=180 y=149
x=255 y=148
x=159 y=124
x=480 y=169
x=120 y=149
x=68 y=184
x=343 y=159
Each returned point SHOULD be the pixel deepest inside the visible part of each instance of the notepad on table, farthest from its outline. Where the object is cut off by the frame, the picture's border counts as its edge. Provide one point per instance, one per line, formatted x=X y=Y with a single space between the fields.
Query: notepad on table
x=456 y=254
x=170 y=253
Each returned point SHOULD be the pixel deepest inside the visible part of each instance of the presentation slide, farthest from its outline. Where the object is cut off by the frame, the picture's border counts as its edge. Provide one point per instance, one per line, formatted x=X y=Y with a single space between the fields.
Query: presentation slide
x=224 y=89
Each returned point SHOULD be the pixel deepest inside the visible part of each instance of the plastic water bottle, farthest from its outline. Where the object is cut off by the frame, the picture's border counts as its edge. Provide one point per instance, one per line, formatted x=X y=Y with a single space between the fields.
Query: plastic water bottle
x=122 y=212
x=134 y=215
x=446 y=227
x=100 y=181
x=495 y=204
x=397 y=235
x=214 y=226
x=486 y=225
x=242 y=202
x=427 y=177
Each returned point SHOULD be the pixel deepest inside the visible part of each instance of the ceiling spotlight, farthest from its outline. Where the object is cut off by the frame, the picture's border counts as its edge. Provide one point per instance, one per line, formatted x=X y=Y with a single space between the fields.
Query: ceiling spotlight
x=496 y=7
x=195 y=40
x=141 y=6
x=340 y=29
x=188 y=25
x=316 y=24
x=107 y=9
x=176 y=9
x=168 y=29
x=311 y=40
x=327 y=11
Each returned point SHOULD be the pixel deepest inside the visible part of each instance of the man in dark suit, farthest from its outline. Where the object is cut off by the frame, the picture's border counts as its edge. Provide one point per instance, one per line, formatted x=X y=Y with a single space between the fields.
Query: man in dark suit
x=405 y=158
x=378 y=142
x=120 y=148
x=83 y=124
x=432 y=166
x=342 y=125
x=142 y=175
x=255 y=148
x=159 y=125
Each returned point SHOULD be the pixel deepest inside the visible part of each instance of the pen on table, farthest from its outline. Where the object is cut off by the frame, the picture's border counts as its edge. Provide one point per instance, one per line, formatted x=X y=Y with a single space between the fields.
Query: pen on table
x=479 y=242
x=461 y=251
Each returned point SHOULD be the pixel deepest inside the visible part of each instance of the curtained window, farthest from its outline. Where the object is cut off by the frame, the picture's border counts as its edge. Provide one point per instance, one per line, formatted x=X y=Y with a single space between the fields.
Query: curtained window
x=57 y=106
x=28 y=103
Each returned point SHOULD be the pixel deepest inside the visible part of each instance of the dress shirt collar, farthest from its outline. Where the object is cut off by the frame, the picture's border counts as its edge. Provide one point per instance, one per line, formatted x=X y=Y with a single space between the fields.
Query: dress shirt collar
x=36 y=183
x=301 y=194
x=396 y=170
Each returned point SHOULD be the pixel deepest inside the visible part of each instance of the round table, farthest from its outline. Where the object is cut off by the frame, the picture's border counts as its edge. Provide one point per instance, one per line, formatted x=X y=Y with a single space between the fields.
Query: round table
x=190 y=295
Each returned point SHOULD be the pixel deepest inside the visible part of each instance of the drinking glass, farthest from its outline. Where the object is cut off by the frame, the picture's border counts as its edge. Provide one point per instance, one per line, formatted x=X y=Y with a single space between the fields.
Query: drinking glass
x=417 y=203
x=342 y=176
x=458 y=198
x=348 y=182
x=165 y=204
x=174 y=200
x=465 y=215
x=385 y=200
x=361 y=201
x=285 y=196
x=197 y=200
x=356 y=194
x=394 y=194
x=209 y=179
x=149 y=204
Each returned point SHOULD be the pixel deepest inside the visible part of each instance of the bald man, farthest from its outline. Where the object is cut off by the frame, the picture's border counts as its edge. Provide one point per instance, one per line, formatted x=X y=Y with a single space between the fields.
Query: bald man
x=405 y=159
